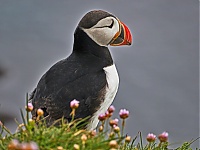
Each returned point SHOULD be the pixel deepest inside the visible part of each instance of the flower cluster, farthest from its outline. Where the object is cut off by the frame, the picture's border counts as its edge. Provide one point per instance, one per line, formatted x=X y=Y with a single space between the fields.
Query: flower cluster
x=163 y=137
x=151 y=137
x=112 y=127
x=114 y=122
x=111 y=109
x=29 y=107
x=124 y=113
x=115 y=129
x=15 y=144
x=74 y=104
x=102 y=117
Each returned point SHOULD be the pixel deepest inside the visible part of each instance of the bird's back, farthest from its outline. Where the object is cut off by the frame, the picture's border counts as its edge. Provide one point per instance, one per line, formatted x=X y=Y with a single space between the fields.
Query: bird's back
x=70 y=79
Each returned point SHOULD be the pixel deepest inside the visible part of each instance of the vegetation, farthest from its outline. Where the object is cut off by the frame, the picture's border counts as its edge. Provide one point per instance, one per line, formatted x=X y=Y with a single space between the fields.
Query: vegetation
x=35 y=135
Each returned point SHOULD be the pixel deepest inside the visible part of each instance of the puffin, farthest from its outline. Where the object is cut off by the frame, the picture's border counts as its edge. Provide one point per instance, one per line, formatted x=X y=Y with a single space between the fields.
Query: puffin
x=87 y=75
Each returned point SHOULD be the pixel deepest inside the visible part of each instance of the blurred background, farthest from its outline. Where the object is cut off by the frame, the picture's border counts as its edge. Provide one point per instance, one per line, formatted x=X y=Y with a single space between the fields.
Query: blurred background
x=159 y=73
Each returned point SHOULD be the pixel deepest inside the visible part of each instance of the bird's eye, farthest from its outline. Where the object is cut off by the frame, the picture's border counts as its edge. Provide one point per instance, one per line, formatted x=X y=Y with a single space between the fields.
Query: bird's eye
x=110 y=26
x=107 y=26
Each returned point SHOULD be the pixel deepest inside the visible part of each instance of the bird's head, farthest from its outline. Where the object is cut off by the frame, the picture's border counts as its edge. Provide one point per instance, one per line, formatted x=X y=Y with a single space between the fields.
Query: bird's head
x=105 y=29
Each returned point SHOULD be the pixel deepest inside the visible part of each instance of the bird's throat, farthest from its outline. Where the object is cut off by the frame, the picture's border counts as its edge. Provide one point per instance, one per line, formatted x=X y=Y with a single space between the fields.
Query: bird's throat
x=84 y=45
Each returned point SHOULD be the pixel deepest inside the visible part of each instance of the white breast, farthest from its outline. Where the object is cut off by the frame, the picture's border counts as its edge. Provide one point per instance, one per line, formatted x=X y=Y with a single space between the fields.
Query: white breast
x=111 y=90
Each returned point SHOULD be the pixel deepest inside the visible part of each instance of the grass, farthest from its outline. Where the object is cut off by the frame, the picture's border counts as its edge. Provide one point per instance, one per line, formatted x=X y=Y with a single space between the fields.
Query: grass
x=33 y=135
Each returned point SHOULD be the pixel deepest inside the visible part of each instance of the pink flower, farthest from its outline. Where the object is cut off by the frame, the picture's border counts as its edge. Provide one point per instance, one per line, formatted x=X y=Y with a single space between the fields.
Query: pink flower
x=28 y=146
x=13 y=144
x=124 y=113
x=114 y=122
x=151 y=137
x=93 y=133
x=102 y=117
x=34 y=146
x=29 y=107
x=111 y=109
x=163 y=137
x=74 y=104
x=107 y=114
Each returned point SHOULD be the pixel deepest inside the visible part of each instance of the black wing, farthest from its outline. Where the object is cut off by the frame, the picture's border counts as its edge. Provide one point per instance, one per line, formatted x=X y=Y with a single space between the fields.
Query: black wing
x=67 y=80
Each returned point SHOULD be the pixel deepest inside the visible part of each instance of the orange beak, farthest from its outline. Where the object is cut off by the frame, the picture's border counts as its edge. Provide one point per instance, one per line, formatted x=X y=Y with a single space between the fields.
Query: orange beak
x=123 y=37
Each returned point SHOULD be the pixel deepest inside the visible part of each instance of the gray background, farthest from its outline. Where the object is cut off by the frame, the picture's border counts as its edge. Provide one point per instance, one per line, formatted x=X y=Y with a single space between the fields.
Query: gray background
x=158 y=74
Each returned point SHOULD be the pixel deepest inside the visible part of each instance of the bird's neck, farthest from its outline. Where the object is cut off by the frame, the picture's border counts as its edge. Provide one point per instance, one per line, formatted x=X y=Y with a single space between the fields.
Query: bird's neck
x=85 y=46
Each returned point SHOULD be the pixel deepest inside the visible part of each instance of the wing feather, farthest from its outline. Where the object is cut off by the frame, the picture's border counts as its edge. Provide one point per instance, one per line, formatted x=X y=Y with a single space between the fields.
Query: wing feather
x=65 y=81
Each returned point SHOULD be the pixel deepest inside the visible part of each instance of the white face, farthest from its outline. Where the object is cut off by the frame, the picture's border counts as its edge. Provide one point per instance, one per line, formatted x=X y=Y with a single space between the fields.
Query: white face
x=104 y=31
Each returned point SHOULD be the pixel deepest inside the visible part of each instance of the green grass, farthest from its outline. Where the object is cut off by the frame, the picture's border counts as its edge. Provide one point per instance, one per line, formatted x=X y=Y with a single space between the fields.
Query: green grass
x=68 y=136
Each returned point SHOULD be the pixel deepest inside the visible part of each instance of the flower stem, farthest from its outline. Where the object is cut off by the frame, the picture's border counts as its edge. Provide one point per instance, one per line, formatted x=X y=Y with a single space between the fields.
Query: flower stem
x=123 y=125
x=6 y=129
x=73 y=114
x=27 y=113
